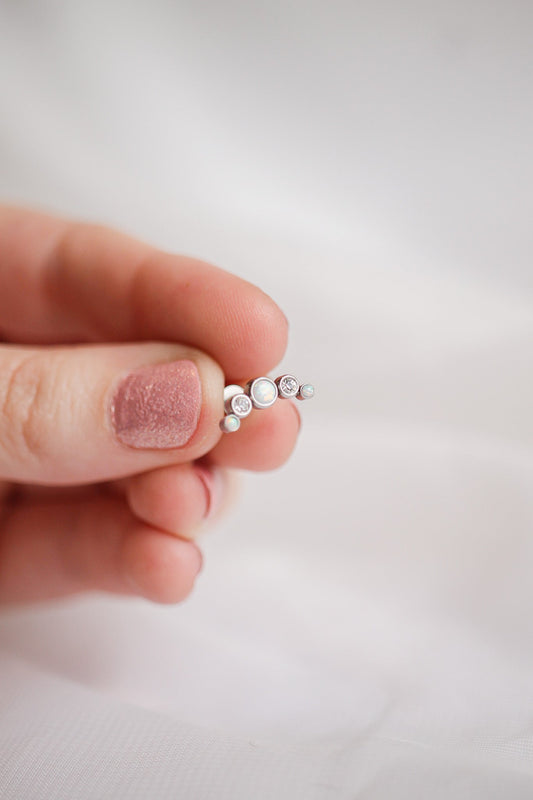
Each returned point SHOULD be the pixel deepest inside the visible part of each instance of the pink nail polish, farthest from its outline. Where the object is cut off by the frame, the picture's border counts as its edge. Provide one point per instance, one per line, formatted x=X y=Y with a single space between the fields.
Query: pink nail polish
x=158 y=406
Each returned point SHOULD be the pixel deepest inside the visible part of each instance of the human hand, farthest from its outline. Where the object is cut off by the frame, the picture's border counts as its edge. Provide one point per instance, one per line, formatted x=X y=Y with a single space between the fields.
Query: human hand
x=104 y=339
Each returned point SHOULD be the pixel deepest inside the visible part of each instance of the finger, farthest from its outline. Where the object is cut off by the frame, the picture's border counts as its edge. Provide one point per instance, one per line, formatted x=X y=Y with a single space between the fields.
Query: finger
x=178 y=499
x=264 y=440
x=52 y=549
x=71 y=282
x=88 y=414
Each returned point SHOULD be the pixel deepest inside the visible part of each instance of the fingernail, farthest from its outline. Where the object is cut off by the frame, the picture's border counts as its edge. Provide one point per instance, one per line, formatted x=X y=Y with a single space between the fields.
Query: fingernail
x=158 y=406
x=214 y=488
x=200 y=556
x=298 y=416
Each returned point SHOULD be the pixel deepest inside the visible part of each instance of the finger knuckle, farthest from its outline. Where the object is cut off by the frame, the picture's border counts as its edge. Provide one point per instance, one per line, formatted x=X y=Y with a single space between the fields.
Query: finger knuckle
x=26 y=407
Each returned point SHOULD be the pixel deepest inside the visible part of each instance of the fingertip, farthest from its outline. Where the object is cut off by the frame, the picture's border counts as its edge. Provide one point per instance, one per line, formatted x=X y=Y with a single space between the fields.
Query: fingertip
x=264 y=441
x=298 y=417
x=260 y=335
x=177 y=499
x=160 y=567
x=213 y=483
x=273 y=328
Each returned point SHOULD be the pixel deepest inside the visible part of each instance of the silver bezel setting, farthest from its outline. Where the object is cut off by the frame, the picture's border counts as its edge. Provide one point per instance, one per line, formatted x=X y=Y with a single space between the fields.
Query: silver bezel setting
x=230 y=423
x=231 y=391
x=234 y=394
x=306 y=391
x=283 y=391
x=236 y=401
x=254 y=385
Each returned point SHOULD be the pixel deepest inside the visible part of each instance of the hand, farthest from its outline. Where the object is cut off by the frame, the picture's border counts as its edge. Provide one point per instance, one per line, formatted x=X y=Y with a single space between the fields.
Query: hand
x=113 y=360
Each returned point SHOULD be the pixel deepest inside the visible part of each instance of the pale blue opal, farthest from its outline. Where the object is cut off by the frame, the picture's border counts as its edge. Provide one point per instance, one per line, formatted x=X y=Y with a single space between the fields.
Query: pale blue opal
x=307 y=390
x=230 y=423
x=263 y=392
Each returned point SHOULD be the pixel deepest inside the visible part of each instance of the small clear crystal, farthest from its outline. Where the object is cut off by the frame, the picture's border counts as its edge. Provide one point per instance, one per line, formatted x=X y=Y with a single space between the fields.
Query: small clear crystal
x=241 y=405
x=288 y=385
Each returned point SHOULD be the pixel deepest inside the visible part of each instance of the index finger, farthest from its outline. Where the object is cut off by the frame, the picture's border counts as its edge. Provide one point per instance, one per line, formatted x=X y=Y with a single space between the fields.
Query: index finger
x=63 y=281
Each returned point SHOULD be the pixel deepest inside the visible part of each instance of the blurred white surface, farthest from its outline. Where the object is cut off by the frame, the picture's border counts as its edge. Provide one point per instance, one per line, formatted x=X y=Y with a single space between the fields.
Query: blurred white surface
x=368 y=164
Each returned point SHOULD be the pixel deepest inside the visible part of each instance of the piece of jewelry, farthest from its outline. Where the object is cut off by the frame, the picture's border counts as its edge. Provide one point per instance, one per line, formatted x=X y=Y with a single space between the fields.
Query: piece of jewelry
x=260 y=392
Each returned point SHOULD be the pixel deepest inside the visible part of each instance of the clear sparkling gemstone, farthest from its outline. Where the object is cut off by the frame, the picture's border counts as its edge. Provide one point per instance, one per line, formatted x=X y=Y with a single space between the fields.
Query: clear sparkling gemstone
x=231 y=390
x=288 y=386
x=230 y=423
x=241 y=405
x=263 y=392
x=307 y=390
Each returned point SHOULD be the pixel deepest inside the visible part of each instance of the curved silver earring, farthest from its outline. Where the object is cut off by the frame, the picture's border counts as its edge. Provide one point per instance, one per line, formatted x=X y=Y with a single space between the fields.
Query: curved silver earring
x=260 y=393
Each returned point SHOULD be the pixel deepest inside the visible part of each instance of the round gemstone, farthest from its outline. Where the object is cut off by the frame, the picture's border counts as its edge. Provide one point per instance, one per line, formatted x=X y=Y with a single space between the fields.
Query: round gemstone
x=230 y=423
x=231 y=390
x=241 y=405
x=307 y=390
x=263 y=392
x=288 y=386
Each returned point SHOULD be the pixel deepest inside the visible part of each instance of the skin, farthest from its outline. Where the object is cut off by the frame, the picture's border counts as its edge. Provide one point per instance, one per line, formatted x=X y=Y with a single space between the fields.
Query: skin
x=81 y=306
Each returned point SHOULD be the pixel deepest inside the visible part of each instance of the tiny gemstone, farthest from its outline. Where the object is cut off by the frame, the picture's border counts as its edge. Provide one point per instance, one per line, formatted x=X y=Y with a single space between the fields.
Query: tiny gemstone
x=288 y=386
x=241 y=405
x=263 y=392
x=231 y=390
x=230 y=423
x=307 y=390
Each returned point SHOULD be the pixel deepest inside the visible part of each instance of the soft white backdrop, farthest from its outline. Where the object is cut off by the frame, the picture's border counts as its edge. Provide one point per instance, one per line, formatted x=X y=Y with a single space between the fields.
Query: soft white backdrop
x=363 y=626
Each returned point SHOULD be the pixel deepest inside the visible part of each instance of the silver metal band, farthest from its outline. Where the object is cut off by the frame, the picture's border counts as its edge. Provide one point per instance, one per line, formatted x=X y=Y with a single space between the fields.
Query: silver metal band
x=259 y=393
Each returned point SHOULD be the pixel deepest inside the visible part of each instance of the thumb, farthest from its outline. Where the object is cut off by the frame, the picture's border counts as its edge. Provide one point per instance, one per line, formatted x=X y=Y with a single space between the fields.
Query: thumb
x=91 y=413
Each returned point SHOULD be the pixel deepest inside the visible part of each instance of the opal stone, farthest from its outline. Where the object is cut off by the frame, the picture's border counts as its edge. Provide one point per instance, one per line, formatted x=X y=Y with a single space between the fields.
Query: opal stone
x=230 y=423
x=263 y=392
x=307 y=390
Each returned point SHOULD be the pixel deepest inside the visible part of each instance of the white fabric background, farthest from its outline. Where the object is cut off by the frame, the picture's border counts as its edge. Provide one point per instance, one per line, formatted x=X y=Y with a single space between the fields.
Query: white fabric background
x=363 y=626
